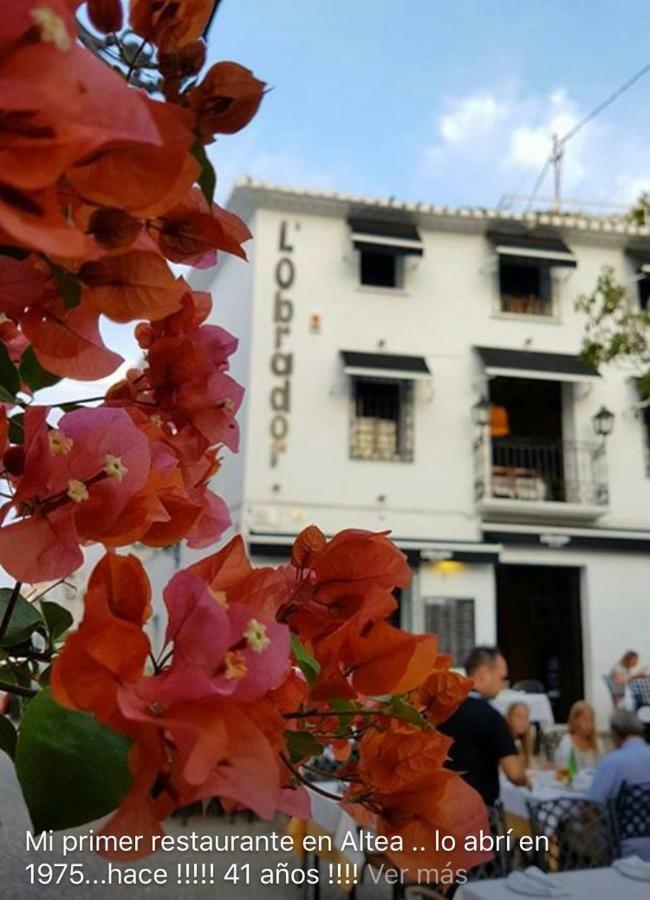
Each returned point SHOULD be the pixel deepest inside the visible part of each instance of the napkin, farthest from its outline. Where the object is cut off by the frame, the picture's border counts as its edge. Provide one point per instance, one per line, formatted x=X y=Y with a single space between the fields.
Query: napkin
x=633 y=867
x=534 y=883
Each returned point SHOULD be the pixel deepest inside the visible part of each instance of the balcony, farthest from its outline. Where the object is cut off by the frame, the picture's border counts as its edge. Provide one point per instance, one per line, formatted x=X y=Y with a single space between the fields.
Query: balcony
x=551 y=480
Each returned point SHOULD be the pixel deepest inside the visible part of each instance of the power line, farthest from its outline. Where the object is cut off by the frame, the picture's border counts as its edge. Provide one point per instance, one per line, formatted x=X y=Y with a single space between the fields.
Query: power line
x=559 y=143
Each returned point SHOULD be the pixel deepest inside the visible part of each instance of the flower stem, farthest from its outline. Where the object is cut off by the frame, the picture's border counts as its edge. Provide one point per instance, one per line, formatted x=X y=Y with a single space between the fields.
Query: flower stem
x=17 y=689
x=13 y=600
x=309 y=784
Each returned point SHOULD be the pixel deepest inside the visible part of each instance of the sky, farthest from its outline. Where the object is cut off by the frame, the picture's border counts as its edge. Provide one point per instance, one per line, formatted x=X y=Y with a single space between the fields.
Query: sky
x=448 y=102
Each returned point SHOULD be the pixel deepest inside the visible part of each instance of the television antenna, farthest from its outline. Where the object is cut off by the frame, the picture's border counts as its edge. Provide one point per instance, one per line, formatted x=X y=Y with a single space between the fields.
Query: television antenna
x=556 y=155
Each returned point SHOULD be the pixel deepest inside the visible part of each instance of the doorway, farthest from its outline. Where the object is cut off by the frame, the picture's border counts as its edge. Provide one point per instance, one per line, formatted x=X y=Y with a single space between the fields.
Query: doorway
x=526 y=433
x=539 y=629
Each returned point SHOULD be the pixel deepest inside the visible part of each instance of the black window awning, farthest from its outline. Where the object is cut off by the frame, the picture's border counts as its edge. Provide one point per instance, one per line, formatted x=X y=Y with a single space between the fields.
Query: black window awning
x=382 y=236
x=531 y=247
x=639 y=253
x=536 y=365
x=385 y=365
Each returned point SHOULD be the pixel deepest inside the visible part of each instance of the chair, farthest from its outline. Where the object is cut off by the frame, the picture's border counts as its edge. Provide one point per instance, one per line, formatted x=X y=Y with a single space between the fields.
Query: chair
x=616 y=691
x=501 y=863
x=632 y=811
x=499 y=866
x=579 y=834
x=529 y=686
x=640 y=691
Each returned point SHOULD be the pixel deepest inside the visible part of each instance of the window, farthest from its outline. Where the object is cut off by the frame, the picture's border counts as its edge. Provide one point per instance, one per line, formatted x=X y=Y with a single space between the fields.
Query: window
x=525 y=287
x=452 y=619
x=380 y=269
x=644 y=292
x=645 y=423
x=382 y=419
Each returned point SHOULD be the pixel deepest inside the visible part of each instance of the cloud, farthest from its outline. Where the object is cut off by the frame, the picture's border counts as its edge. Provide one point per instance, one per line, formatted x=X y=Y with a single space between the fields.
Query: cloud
x=490 y=143
x=471 y=117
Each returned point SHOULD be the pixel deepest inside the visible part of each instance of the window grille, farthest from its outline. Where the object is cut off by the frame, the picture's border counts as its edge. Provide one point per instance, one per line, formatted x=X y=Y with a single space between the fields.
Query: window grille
x=381 y=425
x=453 y=620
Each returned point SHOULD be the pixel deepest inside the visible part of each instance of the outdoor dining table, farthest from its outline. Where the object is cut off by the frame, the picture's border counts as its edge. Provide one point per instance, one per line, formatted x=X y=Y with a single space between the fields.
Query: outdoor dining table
x=585 y=884
x=541 y=712
x=515 y=798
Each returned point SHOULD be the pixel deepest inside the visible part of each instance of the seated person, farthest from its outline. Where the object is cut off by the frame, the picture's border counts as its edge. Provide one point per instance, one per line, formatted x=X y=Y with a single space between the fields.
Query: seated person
x=518 y=719
x=483 y=743
x=581 y=738
x=628 y=668
x=628 y=764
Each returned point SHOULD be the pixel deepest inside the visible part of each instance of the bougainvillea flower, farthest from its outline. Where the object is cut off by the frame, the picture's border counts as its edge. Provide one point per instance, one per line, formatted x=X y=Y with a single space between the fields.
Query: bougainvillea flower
x=133 y=285
x=213 y=520
x=146 y=178
x=400 y=777
x=170 y=23
x=22 y=283
x=109 y=648
x=105 y=15
x=35 y=220
x=31 y=18
x=67 y=342
x=113 y=228
x=62 y=85
x=188 y=232
x=75 y=482
x=344 y=585
x=226 y=99
x=385 y=660
x=186 y=379
x=442 y=693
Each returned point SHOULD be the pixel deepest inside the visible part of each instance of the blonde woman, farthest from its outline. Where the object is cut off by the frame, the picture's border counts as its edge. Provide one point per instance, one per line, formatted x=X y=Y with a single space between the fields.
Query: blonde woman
x=518 y=719
x=581 y=738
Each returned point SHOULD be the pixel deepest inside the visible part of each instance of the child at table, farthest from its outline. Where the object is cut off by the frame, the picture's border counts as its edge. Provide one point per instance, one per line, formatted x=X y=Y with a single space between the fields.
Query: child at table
x=518 y=719
x=581 y=738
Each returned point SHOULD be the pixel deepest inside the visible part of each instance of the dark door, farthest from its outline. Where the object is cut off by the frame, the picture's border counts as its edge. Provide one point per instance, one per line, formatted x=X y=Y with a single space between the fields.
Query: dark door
x=539 y=629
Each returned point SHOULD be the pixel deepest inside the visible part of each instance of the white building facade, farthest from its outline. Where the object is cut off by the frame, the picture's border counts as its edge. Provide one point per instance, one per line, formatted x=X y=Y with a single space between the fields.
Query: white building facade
x=415 y=369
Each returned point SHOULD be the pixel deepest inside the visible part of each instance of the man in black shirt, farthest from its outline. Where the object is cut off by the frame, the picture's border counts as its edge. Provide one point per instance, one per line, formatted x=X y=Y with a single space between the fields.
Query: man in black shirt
x=482 y=740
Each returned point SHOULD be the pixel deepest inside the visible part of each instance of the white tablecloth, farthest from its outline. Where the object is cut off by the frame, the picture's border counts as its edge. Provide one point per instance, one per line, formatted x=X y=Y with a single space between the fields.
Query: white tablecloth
x=538 y=704
x=331 y=816
x=587 y=884
x=514 y=798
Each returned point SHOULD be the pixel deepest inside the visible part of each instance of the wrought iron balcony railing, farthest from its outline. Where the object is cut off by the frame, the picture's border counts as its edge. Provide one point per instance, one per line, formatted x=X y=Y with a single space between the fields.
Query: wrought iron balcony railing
x=541 y=471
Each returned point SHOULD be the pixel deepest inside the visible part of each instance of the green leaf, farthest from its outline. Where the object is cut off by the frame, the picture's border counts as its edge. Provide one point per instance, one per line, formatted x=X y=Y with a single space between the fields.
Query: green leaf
x=9 y=377
x=25 y=619
x=207 y=180
x=7 y=736
x=302 y=745
x=401 y=708
x=57 y=618
x=68 y=287
x=17 y=428
x=72 y=770
x=309 y=666
x=33 y=373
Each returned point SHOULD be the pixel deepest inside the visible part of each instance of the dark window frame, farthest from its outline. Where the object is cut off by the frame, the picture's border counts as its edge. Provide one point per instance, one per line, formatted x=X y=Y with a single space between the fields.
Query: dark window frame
x=369 y=437
x=381 y=269
x=538 y=301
